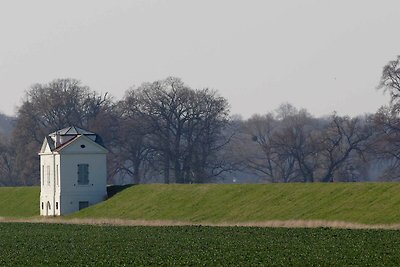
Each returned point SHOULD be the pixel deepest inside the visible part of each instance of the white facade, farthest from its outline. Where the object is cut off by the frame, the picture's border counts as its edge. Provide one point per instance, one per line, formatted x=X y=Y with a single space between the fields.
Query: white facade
x=73 y=172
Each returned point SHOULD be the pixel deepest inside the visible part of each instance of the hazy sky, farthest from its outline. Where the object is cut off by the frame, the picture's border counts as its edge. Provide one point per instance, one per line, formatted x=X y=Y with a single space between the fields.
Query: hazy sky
x=321 y=55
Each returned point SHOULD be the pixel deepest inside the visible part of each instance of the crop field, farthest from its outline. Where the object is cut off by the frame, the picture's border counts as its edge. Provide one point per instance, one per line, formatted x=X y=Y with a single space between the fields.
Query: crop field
x=24 y=244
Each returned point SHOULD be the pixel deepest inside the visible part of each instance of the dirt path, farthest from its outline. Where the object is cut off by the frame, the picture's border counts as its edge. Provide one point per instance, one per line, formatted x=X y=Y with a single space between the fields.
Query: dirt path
x=285 y=224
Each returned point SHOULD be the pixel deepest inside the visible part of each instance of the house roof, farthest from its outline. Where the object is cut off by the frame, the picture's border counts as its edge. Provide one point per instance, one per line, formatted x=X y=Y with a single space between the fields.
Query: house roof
x=72 y=130
x=60 y=147
x=75 y=139
x=60 y=139
x=50 y=143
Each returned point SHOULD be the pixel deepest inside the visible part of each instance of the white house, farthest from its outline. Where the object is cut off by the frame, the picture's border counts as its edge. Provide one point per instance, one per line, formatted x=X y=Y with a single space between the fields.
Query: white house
x=73 y=171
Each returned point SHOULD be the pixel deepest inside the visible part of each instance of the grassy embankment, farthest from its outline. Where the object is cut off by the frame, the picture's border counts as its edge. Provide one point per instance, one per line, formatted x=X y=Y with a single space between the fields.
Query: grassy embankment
x=19 y=202
x=367 y=203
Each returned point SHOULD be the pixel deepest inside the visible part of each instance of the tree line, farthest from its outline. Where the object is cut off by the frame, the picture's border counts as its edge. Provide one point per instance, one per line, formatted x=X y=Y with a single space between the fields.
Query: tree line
x=165 y=131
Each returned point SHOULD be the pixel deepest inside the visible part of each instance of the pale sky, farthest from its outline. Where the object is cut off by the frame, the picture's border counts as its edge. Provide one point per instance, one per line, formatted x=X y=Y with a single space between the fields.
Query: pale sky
x=321 y=55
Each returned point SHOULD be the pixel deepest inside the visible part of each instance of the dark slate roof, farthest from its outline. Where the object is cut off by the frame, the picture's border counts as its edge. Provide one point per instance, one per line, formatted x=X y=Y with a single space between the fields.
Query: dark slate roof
x=72 y=130
x=50 y=142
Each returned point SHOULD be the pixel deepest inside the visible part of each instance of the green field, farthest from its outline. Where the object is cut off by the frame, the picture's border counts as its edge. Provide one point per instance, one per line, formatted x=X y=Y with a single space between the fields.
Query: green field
x=367 y=203
x=23 y=244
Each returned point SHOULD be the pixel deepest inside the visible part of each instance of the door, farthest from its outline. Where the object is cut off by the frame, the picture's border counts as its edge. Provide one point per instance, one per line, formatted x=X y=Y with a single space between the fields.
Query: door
x=48 y=208
x=83 y=204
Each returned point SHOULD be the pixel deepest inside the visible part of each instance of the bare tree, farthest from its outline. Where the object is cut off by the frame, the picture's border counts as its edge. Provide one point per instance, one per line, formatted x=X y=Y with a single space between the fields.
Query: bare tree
x=261 y=151
x=390 y=81
x=259 y=148
x=185 y=124
x=283 y=148
x=385 y=144
x=7 y=162
x=133 y=148
x=342 y=137
x=49 y=107
x=295 y=140
x=291 y=145
x=386 y=141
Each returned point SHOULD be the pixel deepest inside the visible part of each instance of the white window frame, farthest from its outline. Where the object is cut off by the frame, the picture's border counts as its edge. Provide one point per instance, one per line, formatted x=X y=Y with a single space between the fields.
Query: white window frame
x=42 y=174
x=48 y=174
x=57 y=175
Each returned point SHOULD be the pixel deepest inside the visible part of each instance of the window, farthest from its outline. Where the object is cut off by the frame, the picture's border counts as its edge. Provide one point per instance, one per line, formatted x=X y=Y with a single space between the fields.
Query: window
x=48 y=175
x=57 y=176
x=42 y=205
x=83 y=174
x=83 y=204
x=42 y=174
x=56 y=205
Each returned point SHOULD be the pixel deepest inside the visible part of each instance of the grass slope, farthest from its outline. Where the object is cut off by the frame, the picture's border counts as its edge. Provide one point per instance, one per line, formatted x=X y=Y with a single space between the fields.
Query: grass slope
x=370 y=203
x=19 y=202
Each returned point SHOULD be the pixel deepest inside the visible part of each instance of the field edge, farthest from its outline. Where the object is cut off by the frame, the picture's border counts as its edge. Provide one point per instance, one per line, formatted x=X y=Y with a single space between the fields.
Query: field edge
x=162 y=223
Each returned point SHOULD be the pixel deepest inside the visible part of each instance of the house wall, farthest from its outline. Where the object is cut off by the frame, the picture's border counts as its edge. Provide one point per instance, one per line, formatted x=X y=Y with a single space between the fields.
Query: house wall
x=50 y=190
x=71 y=192
x=67 y=193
